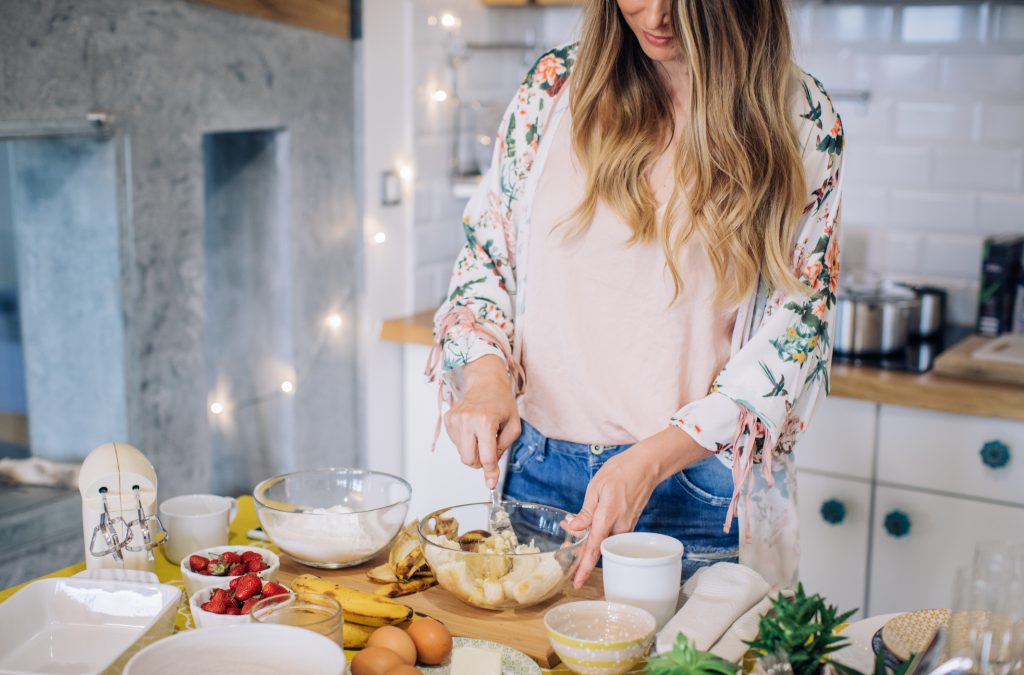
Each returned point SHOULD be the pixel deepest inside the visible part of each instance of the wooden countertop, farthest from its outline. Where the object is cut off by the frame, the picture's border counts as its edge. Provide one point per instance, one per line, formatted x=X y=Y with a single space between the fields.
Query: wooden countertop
x=928 y=390
x=521 y=629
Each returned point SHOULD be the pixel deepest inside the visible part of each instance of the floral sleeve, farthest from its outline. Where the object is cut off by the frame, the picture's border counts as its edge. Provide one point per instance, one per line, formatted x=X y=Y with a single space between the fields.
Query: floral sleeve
x=476 y=318
x=760 y=402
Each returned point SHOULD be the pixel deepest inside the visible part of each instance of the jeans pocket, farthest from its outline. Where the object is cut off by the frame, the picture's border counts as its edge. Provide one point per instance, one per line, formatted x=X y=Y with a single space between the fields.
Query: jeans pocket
x=523 y=450
x=708 y=481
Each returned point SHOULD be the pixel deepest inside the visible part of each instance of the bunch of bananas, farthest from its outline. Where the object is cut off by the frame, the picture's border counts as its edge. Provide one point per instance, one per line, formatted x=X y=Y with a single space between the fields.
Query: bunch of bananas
x=364 y=612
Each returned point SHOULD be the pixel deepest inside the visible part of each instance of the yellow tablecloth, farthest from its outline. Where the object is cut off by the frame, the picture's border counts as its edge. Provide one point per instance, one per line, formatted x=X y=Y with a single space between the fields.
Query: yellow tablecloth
x=170 y=573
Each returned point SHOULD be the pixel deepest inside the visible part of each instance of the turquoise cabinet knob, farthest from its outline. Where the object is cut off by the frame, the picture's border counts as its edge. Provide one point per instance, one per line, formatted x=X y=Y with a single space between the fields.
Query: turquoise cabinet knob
x=833 y=511
x=897 y=524
x=995 y=454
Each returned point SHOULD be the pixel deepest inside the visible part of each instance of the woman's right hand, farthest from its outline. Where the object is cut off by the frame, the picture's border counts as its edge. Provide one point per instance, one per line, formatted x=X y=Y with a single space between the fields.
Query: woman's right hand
x=484 y=422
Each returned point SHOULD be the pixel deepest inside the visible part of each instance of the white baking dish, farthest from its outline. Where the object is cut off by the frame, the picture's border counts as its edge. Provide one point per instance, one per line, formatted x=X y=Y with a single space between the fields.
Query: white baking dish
x=81 y=626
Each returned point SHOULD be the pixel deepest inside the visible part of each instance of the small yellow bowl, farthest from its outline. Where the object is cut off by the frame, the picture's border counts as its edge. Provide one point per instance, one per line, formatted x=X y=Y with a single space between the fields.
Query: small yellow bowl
x=599 y=638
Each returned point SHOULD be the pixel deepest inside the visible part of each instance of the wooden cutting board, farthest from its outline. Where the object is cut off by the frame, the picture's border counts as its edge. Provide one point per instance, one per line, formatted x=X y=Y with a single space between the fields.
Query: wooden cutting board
x=522 y=629
x=959 y=361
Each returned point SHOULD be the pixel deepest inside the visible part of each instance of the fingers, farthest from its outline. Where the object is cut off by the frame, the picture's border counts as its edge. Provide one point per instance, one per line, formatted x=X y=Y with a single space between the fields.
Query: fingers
x=487 y=450
x=464 y=440
x=510 y=431
x=592 y=549
x=585 y=517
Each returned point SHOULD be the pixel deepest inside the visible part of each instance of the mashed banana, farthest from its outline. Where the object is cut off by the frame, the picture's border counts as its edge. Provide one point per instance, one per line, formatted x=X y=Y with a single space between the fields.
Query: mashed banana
x=496 y=580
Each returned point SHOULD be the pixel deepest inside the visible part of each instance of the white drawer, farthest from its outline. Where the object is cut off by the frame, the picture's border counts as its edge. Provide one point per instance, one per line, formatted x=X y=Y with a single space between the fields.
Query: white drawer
x=942 y=451
x=834 y=555
x=916 y=570
x=840 y=438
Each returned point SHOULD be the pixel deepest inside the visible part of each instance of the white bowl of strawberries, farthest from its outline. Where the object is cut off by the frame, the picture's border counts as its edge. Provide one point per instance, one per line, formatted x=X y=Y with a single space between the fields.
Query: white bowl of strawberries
x=229 y=604
x=215 y=566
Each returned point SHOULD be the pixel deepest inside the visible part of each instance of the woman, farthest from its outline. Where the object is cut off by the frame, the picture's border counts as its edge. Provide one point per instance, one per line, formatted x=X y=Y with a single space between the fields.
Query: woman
x=651 y=265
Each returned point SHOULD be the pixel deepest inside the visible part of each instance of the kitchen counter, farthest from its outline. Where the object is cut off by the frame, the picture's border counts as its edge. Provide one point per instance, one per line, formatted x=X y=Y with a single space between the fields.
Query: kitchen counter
x=928 y=390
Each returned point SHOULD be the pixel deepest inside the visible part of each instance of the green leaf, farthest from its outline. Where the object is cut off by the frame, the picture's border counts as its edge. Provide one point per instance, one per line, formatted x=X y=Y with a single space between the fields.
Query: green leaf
x=686 y=659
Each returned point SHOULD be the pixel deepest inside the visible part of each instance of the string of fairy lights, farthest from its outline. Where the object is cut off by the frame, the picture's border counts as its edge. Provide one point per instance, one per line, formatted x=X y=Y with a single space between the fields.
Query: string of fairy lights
x=220 y=403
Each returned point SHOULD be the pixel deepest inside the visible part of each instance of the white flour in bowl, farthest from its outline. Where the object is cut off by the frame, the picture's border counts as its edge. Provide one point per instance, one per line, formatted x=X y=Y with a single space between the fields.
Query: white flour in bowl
x=332 y=535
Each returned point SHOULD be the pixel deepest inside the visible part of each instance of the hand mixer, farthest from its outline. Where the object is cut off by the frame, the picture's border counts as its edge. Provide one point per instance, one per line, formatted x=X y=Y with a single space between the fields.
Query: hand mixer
x=118 y=486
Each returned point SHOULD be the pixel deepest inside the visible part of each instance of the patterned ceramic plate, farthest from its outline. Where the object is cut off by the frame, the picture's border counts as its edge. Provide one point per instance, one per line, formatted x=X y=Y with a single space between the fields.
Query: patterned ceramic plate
x=513 y=661
x=911 y=632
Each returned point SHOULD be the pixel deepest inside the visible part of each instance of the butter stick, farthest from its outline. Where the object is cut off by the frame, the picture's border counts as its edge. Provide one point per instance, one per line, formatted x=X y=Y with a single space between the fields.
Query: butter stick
x=475 y=661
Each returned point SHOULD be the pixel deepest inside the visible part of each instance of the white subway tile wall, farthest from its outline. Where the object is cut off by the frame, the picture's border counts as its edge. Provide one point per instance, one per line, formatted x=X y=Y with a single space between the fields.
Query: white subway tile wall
x=935 y=158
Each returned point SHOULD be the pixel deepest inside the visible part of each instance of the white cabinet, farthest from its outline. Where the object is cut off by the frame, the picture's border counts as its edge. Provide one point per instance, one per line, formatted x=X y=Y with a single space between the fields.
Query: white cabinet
x=438 y=478
x=946 y=452
x=915 y=569
x=834 y=534
x=840 y=438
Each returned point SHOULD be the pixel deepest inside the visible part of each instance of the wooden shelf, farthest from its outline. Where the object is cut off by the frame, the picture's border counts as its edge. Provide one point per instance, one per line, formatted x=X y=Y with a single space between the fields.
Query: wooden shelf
x=325 y=16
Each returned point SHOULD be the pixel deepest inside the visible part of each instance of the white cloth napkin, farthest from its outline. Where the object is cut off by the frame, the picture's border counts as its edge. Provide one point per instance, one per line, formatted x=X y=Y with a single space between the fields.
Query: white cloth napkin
x=733 y=645
x=717 y=597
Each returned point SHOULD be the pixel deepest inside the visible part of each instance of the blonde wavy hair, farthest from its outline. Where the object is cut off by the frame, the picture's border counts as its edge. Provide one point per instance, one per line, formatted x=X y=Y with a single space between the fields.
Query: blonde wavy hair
x=737 y=162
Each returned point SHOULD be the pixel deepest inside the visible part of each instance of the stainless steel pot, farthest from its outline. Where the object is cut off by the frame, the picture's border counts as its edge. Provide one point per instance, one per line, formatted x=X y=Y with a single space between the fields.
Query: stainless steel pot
x=874 y=320
x=930 y=321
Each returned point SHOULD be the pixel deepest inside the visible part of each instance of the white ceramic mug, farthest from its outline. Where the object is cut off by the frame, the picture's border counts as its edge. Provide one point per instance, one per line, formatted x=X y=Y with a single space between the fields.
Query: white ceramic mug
x=643 y=569
x=196 y=521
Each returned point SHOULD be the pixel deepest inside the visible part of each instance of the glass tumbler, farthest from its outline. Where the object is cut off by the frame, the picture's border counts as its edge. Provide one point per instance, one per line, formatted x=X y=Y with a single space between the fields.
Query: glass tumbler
x=313 y=611
x=987 y=620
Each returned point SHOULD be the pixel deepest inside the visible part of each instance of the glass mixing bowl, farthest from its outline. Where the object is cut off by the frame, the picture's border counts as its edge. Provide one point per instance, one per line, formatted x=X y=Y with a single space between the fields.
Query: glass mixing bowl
x=332 y=518
x=504 y=576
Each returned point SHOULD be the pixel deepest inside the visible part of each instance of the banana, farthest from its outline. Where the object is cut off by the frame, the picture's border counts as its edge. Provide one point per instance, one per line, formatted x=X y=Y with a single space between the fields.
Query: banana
x=447 y=527
x=381 y=574
x=365 y=609
x=406 y=557
x=355 y=636
x=400 y=588
x=471 y=541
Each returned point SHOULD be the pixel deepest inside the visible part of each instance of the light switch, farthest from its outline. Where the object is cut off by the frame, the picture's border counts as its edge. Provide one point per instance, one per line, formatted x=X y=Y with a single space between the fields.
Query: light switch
x=390 y=188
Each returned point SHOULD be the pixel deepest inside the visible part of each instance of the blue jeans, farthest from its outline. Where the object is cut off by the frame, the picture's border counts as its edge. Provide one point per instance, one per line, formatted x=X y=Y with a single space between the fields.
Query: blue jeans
x=691 y=506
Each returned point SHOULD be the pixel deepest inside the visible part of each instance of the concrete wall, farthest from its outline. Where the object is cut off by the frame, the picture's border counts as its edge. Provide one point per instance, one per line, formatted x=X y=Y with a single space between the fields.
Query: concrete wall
x=171 y=71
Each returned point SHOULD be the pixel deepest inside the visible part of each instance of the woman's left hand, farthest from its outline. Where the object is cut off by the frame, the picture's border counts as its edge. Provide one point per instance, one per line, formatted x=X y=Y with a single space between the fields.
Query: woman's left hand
x=620 y=490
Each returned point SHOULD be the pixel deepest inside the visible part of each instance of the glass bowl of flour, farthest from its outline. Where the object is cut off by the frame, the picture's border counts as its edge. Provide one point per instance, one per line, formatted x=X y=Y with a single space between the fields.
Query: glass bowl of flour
x=332 y=518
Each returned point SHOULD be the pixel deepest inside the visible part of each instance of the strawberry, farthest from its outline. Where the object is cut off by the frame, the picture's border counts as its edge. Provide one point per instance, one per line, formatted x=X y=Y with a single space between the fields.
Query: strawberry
x=220 y=597
x=233 y=611
x=234 y=583
x=255 y=566
x=249 y=556
x=218 y=567
x=205 y=573
x=236 y=570
x=198 y=563
x=230 y=558
x=270 y=588
x=213 y=609
x=249 y=603
x=248 y=586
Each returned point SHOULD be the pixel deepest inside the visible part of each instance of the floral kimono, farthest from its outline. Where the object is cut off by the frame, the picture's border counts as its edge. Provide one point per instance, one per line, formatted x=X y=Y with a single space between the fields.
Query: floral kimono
x=759 y=404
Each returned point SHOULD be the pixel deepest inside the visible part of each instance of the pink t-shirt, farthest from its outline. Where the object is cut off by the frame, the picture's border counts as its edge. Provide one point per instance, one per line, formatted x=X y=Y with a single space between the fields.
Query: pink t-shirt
x=609 y=355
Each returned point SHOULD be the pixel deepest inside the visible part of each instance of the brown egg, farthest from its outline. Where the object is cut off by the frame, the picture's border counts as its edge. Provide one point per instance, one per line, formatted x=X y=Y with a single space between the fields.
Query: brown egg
x=406 y=670
x=375 y=661
x=432 y=639
x=396 y=640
